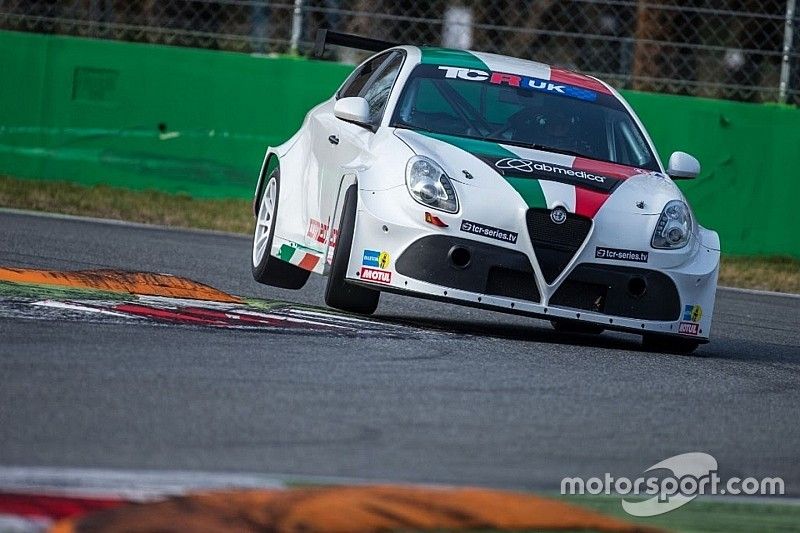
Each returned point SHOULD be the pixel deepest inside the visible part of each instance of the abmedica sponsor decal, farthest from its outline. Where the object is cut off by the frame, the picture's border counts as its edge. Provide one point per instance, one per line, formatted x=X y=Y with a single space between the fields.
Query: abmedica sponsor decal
x=516 y=167
x=566 y=171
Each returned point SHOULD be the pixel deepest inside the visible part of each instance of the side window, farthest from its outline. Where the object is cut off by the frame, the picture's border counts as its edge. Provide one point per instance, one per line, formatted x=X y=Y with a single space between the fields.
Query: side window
x=358 y=79
x=635 y=151
x=377 y=93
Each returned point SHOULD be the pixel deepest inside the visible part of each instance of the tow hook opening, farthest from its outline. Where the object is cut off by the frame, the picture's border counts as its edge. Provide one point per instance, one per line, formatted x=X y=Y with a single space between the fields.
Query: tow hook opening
x=459 y=257
x=637 y=287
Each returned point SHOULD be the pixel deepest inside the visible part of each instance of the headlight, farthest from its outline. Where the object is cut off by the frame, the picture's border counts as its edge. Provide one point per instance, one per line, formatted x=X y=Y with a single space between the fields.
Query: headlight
x=429 y=185
x=674 y=227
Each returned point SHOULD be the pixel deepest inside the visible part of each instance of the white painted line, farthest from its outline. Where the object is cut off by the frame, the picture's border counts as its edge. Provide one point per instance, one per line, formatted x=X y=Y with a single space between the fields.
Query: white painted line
x=174 y=302
x=77 y=307
x=123 y=223
x=228 y=307
x=760 y=292
x=334 y=316
x=144 y=485
x=24 y=524
x=136 y=485
x=283 y=318
x=149 y=485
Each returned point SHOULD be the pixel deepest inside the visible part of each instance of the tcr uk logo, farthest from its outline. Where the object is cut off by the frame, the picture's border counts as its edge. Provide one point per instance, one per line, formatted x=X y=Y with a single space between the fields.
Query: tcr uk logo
x=472 y=74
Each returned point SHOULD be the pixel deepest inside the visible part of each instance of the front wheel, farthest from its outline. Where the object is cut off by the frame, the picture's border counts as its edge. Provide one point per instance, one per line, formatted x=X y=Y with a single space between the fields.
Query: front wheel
x=339 y=293
x=668 y=344
x=267 y=269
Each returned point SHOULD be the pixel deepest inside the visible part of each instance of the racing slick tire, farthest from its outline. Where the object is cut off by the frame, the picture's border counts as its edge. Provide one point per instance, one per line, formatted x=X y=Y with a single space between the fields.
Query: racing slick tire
x=267 y=269
x=339 y=293
x=573 y=326
x=653 y=342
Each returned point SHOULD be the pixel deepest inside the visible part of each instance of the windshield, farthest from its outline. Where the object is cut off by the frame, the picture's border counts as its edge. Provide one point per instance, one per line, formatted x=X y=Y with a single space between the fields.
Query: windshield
x=522 y=111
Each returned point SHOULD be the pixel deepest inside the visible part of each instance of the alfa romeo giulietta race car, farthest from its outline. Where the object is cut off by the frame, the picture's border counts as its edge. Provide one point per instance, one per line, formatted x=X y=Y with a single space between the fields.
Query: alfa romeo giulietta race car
x=493 y=182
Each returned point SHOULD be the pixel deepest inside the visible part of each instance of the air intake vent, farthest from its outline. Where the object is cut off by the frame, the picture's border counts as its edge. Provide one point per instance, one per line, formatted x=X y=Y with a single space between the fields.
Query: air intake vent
x=555 y=244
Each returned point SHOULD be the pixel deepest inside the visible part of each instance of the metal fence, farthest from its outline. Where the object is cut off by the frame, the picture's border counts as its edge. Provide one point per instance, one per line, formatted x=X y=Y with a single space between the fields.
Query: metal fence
x=735 y=49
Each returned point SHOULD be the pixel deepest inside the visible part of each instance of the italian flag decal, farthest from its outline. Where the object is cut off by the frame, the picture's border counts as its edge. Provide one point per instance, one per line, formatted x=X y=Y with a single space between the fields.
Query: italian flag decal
x=544 y=179
x=298 y=257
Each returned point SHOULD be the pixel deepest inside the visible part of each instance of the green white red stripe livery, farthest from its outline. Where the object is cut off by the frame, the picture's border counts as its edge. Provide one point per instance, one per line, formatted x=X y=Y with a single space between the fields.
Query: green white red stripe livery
x=493 y=182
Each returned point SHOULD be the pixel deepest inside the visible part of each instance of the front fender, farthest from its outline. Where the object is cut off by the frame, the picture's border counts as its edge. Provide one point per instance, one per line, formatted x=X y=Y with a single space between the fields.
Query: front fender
x=271 y=158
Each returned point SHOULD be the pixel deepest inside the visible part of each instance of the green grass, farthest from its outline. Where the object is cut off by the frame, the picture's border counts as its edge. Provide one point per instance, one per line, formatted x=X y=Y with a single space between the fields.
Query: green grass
x=699 y=515
x=767 y=273
x=149 y=206
x=703 y=514
x=771 y=273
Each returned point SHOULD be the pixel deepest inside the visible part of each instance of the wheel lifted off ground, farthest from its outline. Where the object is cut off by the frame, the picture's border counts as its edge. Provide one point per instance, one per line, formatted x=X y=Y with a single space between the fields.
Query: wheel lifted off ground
x=267 y=269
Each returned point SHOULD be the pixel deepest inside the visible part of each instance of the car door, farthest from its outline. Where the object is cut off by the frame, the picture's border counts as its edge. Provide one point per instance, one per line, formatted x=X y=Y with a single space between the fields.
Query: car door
x=348 y=142
x=325 y=157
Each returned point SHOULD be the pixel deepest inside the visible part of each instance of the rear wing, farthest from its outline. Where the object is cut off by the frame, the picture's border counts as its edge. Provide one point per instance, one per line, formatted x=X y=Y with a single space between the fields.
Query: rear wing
x=326 y=37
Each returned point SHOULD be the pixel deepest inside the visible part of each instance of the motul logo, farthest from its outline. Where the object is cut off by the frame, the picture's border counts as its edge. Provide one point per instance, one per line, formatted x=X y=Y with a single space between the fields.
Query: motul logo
x=688 y=328
x=373 y=274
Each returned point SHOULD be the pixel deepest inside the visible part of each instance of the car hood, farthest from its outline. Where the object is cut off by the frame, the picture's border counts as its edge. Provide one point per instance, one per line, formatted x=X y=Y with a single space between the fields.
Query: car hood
x=544 y=179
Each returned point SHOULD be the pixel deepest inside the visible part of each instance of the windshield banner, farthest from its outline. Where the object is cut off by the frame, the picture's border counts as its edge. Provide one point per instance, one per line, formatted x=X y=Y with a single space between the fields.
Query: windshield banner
x=514 y=80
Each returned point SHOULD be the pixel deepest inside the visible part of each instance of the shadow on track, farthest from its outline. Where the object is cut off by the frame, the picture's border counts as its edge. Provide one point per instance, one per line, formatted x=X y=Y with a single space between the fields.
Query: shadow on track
x=725 y=348
x=516 y=332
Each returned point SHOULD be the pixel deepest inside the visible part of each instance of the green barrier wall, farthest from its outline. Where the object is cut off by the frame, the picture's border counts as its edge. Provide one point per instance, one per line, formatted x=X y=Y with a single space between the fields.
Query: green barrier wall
x=750 y=156
x=197 y=122
x=89 y=111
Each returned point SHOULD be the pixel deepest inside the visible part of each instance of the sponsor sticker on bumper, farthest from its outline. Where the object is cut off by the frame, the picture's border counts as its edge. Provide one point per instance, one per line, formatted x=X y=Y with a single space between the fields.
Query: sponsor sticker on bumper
x=374 y=274
x=374 y=258
x=637 y=256
x=689 y=328
x=692 y=313
x=499 y=234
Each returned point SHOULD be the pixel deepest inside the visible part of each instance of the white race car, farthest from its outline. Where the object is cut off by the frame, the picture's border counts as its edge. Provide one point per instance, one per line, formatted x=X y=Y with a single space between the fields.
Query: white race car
x=492 y=182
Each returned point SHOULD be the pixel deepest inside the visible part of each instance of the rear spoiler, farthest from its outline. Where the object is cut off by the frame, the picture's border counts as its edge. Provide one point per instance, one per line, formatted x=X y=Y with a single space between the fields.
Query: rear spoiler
x=326 y=37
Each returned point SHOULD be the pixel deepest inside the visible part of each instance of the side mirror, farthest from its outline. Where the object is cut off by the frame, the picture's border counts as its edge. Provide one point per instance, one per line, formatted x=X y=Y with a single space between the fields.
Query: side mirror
x=683 y=166
x=352 y=109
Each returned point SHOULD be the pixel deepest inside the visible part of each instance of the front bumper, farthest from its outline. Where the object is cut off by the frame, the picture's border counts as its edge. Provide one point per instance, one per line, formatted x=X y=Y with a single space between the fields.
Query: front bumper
x=417 y=259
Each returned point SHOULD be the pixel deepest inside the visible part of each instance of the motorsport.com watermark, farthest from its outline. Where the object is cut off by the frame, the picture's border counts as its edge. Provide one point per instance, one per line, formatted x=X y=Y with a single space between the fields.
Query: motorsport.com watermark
x=692 y=474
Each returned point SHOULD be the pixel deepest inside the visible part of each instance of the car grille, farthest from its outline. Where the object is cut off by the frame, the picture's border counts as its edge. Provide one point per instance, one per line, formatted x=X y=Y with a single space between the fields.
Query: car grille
x=555 y=244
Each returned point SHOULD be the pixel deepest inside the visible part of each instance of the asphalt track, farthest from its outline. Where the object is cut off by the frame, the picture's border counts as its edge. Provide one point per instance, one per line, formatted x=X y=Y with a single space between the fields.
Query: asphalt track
x=470 y=397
